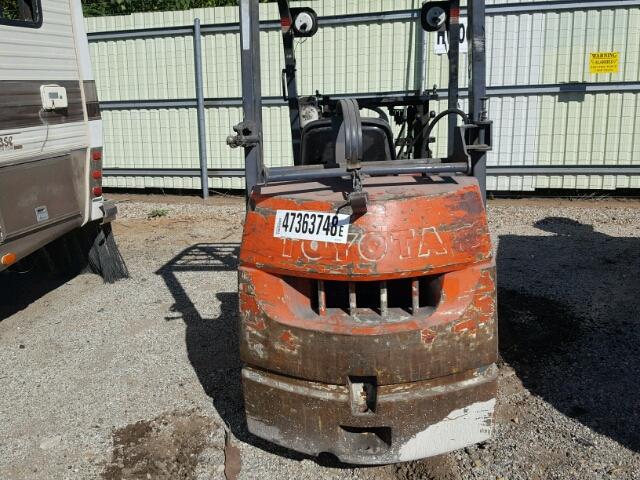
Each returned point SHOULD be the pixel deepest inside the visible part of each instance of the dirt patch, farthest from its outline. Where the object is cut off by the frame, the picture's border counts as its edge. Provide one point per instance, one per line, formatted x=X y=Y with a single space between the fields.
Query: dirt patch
x=167 y=447
x=442 y=467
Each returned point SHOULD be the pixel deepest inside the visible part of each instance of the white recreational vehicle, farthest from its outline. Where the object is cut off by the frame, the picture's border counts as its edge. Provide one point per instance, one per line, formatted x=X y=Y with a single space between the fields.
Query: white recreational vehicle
x=50 y=134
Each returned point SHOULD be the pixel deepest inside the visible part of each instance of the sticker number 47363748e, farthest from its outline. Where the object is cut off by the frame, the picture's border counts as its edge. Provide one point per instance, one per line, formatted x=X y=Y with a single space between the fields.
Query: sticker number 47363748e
x=321 y=226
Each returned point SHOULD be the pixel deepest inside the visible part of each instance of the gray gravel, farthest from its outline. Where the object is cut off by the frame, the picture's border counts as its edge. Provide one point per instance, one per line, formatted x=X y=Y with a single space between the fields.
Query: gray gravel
x=140 y=379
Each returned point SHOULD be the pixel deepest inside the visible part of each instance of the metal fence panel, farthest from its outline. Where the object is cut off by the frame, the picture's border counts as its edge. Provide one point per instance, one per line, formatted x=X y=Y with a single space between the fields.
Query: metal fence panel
x=527 y=49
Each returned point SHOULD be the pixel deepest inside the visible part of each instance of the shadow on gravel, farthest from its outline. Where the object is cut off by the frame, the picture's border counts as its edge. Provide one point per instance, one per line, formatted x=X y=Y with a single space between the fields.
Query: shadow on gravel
x=569 y=323
x=23 y=286
x=212 y=343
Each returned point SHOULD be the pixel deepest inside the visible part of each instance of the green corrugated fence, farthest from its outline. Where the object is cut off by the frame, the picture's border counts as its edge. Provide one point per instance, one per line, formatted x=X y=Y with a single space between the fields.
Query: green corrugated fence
x=592 y=123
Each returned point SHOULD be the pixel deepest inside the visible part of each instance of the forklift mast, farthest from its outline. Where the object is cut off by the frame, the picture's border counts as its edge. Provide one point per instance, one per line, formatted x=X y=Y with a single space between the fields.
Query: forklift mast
x=367 y=284
x=476 y=132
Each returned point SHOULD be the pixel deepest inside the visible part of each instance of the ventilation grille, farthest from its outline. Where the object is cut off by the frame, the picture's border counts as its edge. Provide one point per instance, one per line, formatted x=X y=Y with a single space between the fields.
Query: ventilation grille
x=384 y=298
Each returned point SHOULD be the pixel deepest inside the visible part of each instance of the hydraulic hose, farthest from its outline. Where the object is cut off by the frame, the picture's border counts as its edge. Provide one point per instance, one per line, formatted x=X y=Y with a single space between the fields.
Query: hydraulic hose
x=427 y=129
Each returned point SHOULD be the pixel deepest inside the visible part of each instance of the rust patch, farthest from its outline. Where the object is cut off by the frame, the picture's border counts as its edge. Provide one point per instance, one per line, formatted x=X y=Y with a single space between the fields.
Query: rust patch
x=427 y=336
x=464 y=326
x=287 y=410
x=257 y=324
x=288 y=341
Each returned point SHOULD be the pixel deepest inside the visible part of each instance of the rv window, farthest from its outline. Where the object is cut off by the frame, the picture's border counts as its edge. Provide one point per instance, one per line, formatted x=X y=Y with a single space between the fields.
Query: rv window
x=21 y=13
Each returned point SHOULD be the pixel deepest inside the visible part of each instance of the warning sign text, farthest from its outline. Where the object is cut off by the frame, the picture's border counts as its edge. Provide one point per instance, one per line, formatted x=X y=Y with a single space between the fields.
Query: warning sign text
x=604 y=62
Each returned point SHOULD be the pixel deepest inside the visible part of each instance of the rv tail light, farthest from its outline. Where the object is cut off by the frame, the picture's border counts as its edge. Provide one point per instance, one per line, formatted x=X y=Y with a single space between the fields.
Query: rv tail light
x=96 y=171
x=8 y=259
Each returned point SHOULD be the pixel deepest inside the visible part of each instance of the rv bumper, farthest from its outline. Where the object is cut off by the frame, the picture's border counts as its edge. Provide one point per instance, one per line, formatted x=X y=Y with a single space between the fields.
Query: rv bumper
x=109 y=210
x=408 y=422
x=104 y=210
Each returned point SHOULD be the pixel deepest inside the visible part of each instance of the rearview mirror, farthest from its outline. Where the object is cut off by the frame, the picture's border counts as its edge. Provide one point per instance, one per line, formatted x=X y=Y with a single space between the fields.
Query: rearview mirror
x=434 y=15
x=305 y=22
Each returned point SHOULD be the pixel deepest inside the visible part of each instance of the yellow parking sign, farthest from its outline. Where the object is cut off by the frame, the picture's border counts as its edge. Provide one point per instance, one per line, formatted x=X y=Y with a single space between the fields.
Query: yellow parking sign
x=604 y=62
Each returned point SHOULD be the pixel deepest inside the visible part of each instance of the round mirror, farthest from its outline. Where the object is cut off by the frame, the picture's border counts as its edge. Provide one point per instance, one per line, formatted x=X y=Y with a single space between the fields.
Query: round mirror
x=305 y=22
x=434 y=15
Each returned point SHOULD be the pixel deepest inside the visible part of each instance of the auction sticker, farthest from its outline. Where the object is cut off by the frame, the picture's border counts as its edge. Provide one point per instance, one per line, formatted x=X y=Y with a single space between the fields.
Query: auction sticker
x=320 y=226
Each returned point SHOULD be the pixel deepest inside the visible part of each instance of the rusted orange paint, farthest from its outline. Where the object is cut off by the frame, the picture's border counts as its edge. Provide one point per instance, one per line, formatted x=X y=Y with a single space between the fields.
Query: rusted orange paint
x=447 y=230
x=467 y=325
x=486 y=305
x=333 y=338
x=413 y=227
x=459 y=294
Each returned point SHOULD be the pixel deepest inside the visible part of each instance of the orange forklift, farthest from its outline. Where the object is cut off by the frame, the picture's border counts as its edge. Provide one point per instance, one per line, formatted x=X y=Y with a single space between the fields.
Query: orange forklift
x=367 y=284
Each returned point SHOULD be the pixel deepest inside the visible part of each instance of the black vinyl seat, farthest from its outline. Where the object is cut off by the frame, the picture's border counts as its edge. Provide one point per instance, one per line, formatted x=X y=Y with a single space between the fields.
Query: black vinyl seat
x=318 y=141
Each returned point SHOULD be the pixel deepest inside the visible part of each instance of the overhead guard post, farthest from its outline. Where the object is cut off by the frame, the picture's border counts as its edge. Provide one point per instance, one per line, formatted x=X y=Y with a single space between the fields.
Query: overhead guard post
x=478 y=84
x=454 y=60
x=251 y=90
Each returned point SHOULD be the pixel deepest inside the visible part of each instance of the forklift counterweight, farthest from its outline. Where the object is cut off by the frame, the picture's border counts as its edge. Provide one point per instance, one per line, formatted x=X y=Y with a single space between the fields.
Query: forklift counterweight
x=367 y=284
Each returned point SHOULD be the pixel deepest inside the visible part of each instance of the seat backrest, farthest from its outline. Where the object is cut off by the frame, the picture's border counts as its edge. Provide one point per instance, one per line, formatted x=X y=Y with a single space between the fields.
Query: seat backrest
x=318 y=143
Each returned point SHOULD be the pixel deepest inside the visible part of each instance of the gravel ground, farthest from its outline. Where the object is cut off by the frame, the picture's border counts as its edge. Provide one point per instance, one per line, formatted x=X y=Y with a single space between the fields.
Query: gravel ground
x=141 y=379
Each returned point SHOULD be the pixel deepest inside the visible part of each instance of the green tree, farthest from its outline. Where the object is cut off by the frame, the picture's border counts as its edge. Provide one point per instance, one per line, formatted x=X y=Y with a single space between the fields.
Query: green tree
x=96 y=8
